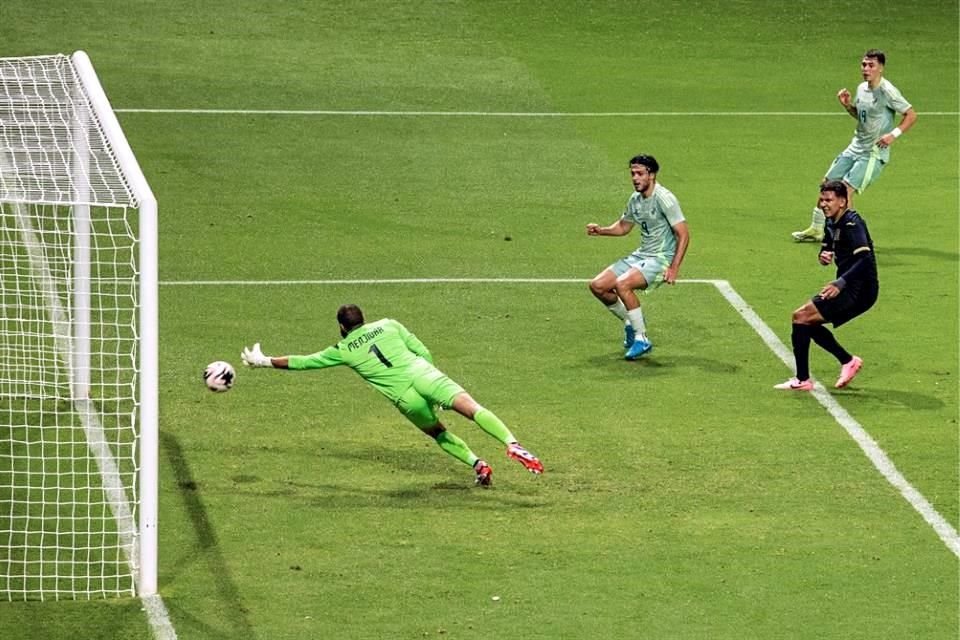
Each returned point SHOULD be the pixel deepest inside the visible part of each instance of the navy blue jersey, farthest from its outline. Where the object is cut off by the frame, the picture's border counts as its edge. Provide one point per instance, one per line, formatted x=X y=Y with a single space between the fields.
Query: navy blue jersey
x=849 y=240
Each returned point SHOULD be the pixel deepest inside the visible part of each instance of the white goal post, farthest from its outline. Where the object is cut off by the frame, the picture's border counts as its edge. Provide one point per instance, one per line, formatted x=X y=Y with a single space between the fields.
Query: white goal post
x=78 y=341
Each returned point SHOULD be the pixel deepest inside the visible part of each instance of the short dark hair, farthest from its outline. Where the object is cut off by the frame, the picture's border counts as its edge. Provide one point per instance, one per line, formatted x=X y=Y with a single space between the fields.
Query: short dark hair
x=877 y=55
x=349 y=316
x=648 y=161
x=835 y=186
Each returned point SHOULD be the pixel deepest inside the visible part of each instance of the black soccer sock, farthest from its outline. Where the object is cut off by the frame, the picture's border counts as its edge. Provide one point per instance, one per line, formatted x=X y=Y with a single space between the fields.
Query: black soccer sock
x=825 y=339
x=800 y=337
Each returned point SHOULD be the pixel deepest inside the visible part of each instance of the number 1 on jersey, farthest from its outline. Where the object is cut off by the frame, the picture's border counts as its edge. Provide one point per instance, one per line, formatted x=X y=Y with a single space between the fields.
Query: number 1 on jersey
x=382 y=358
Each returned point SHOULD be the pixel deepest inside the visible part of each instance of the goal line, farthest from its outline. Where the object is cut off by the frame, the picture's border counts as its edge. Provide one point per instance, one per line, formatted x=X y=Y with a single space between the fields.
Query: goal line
x=946 y=532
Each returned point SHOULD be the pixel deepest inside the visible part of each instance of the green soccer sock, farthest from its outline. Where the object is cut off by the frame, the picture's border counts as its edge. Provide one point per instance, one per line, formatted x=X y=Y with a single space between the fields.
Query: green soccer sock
x=493 y=425
x=456 y=447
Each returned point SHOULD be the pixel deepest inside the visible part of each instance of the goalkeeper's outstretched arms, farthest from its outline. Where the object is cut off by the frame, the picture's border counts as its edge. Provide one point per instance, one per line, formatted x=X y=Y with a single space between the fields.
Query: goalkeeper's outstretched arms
x=254 y=357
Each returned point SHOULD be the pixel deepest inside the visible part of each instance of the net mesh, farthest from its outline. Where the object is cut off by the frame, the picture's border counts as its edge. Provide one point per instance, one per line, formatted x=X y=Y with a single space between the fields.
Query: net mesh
x=68 y=430
x=47 y=127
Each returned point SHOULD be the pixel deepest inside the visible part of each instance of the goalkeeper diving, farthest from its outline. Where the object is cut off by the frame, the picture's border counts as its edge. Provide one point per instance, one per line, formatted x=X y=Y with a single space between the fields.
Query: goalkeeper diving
x=398 y=365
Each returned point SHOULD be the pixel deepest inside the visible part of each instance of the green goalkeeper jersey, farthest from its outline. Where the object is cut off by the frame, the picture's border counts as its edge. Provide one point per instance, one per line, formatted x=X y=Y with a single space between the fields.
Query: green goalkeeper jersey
x=385 y=354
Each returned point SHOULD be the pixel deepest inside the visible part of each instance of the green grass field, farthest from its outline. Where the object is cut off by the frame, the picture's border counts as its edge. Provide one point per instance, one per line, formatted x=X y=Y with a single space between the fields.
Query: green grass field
x=684 y=497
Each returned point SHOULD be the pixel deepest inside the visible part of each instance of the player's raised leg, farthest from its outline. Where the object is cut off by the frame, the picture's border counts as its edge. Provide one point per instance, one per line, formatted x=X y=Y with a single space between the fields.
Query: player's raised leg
x=464 y=404
x=420 y=412
x=604 y=288
x=457 y=448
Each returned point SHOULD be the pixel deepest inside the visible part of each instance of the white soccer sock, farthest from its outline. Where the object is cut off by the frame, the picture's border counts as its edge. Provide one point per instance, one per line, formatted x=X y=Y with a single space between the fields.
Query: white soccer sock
x=618 y=309
x=816 y=221
x=636 y=321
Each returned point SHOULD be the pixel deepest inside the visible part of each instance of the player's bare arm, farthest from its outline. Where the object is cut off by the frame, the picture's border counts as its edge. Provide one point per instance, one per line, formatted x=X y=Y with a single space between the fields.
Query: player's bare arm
x=909 y=117
x=847 y=101
x=682 y=233
x=618 y=228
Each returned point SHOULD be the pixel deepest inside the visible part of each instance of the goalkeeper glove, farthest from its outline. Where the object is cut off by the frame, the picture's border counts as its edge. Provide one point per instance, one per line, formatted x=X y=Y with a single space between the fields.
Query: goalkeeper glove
x=254 y=357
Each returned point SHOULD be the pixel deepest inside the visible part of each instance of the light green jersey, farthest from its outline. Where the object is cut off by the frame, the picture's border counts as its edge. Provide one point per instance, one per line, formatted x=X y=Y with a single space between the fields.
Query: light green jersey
x=384 y=353
x=655 y=216
x=876 y=109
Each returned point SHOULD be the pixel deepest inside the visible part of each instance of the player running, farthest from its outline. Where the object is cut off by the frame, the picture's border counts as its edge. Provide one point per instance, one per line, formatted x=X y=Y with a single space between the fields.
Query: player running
x=398 y=365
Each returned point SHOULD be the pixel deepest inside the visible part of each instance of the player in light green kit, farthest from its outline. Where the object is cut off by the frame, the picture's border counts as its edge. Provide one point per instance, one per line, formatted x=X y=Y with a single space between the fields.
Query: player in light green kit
x=664 y=237
x=874 y=106
x=398 y=365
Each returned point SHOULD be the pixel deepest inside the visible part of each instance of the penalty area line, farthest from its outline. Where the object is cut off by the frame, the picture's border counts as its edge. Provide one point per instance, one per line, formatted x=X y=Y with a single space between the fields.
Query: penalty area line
x=876 y=455
x=346 y=281
x=867 y=444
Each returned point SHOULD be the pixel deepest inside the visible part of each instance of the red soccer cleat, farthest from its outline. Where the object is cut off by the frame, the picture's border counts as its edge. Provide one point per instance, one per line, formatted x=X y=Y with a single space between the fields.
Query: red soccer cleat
x=484 y=473
x=524 y=457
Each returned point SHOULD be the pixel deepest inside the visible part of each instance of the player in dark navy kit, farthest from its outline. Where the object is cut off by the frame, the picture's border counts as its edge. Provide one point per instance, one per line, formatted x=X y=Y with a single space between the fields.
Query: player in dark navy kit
x=847 y=243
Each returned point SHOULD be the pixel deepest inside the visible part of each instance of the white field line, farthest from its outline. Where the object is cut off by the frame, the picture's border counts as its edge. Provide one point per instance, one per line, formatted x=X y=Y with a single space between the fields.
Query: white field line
x=504 y=114
x=867 y=444
x=158 y=617
x=946 y=532
x=273 y=283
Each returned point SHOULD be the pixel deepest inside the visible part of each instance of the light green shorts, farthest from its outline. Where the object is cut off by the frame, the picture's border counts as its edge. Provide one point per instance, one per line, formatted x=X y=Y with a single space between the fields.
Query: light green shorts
x=429 y=390
x=857 y=171
x=651 y=268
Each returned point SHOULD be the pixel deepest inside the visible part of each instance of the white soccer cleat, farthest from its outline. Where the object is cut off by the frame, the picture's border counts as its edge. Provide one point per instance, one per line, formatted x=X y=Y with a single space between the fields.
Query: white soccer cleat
x=795 y=385
x=808 y=235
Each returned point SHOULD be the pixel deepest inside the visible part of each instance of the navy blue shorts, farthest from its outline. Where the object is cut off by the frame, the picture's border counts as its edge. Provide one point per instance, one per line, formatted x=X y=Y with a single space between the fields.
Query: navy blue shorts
x=852 y=301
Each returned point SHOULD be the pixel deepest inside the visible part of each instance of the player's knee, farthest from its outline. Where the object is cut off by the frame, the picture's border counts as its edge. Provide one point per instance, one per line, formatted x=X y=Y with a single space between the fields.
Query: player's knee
x=464 y=404
x=804 y=315
x=597 y=287
x=434 y=431
x=625 y=288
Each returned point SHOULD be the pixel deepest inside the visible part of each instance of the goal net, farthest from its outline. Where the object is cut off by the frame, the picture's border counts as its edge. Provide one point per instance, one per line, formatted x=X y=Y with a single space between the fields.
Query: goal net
x=78 y=341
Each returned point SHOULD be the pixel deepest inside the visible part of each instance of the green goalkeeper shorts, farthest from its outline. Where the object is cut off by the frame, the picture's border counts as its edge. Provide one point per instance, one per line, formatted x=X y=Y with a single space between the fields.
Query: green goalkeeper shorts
x=429 y=390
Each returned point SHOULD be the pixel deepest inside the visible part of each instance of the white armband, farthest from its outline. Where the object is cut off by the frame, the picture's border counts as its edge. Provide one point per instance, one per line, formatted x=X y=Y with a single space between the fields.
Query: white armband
x=896 y=133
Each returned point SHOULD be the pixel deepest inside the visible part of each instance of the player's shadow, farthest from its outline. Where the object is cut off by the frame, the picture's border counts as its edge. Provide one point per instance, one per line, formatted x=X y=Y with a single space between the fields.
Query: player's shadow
x=891 y=256
x=206 y=549
x=661 y=365
x=419 y=492
x=445 y=495
x=893 y=398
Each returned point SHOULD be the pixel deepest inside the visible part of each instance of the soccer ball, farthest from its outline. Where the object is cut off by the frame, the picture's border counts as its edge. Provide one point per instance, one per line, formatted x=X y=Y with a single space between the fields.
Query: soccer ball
x=219 y=376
